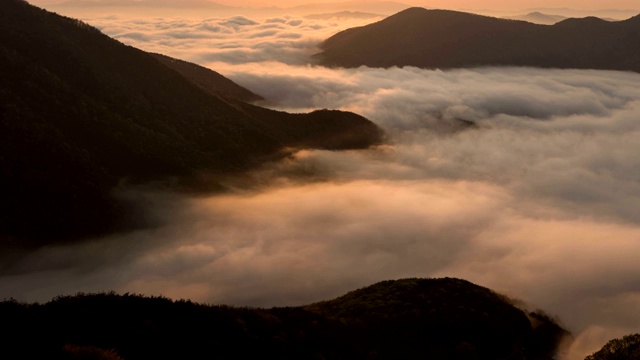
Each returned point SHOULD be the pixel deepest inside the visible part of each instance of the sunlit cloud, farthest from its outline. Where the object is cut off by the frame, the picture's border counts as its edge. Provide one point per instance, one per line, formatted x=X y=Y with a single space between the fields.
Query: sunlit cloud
x=288 y=39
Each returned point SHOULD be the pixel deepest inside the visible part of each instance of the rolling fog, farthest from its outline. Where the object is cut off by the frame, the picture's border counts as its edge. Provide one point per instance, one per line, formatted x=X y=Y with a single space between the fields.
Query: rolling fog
x=538 y=200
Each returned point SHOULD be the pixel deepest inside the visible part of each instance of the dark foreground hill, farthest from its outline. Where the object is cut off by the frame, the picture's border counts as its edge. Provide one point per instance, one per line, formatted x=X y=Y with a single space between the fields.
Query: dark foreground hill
x=82 y=114
x=626 y=348
x=450 y=39
x=404 y=319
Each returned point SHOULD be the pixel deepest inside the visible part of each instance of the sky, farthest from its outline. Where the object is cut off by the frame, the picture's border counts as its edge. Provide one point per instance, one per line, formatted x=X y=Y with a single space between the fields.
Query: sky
x=497 y=5
x=539 y=201
x=469 y=4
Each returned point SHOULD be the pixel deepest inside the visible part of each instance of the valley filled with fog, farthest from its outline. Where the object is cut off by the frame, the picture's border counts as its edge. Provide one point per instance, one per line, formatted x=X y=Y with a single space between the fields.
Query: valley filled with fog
x=523 y=180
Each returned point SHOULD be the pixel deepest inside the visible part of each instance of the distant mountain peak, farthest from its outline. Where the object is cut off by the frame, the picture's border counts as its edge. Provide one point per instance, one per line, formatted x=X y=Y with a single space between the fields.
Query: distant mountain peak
x=585 y=21
x=451 y=39
x=633 y=19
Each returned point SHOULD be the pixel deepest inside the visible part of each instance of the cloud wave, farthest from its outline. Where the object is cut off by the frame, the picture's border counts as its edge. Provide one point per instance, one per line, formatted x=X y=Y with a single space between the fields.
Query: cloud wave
x=286 y=39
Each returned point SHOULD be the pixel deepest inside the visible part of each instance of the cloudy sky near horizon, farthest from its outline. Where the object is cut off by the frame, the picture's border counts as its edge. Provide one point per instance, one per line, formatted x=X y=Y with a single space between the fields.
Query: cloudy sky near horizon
x=453 y=4
x=539 y=201
x=464 y=4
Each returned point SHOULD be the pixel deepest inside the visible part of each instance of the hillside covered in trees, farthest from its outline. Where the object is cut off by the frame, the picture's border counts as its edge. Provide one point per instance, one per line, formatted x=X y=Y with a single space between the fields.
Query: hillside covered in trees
x=403 y=319
x=626 y=348
x=82 y=115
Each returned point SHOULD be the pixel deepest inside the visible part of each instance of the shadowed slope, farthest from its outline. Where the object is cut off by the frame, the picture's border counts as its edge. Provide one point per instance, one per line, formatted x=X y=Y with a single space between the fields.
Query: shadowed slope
x=626 y=348
x=403 y=319
x=450 y=39
x=208 y=79
x=81 y=114
x=449 y=318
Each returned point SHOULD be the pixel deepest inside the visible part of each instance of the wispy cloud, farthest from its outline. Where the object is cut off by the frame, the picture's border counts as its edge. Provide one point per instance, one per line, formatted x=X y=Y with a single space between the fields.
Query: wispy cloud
x=286 y=39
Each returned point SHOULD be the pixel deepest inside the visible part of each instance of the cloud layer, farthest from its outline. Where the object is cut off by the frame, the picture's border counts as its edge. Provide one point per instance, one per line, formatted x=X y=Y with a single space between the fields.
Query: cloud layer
x=538 y=200
x=236 y=39
x=557 y=148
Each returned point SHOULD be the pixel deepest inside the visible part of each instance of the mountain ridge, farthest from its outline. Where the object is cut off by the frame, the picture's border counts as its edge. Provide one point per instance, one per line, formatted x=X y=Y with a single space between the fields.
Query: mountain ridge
x=537 y=17
x=450 y=39
x=439 y=318
x=209 y=80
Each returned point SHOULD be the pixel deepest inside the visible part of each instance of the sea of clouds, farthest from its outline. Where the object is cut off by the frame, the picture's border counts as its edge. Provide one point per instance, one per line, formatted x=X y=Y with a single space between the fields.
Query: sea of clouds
x=538 y=199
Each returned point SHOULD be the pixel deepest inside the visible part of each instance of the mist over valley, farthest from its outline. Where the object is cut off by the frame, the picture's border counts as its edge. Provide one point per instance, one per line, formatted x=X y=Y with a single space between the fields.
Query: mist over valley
x=521 y=179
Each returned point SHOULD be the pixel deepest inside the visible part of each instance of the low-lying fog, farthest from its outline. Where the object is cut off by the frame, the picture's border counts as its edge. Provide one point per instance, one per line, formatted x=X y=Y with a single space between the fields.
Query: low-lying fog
x=540 y=200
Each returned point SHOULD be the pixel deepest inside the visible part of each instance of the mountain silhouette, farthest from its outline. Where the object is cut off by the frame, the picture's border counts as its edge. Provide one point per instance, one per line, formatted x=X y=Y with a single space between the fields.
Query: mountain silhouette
x=450 y=39
x=209 y=80
x=401 y=319
x=626 y=348
x=81 y=115
x=537 y=17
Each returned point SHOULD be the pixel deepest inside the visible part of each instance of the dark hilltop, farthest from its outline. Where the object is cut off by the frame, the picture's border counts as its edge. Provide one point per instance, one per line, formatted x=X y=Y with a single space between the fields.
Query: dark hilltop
x=450 y=39
x=403 y=319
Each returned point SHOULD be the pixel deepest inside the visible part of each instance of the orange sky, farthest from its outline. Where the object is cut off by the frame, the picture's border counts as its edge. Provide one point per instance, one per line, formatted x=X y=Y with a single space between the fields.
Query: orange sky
x=523 y=4
x=470 y=4
x=452 y=4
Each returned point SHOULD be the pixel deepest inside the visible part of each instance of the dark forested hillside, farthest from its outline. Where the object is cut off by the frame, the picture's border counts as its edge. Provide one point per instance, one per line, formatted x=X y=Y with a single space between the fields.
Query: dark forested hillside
x=208 y=80
x=626 y=348
x=81 y=113
x=403 y=319
x=450 y=39
x=447 y=317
